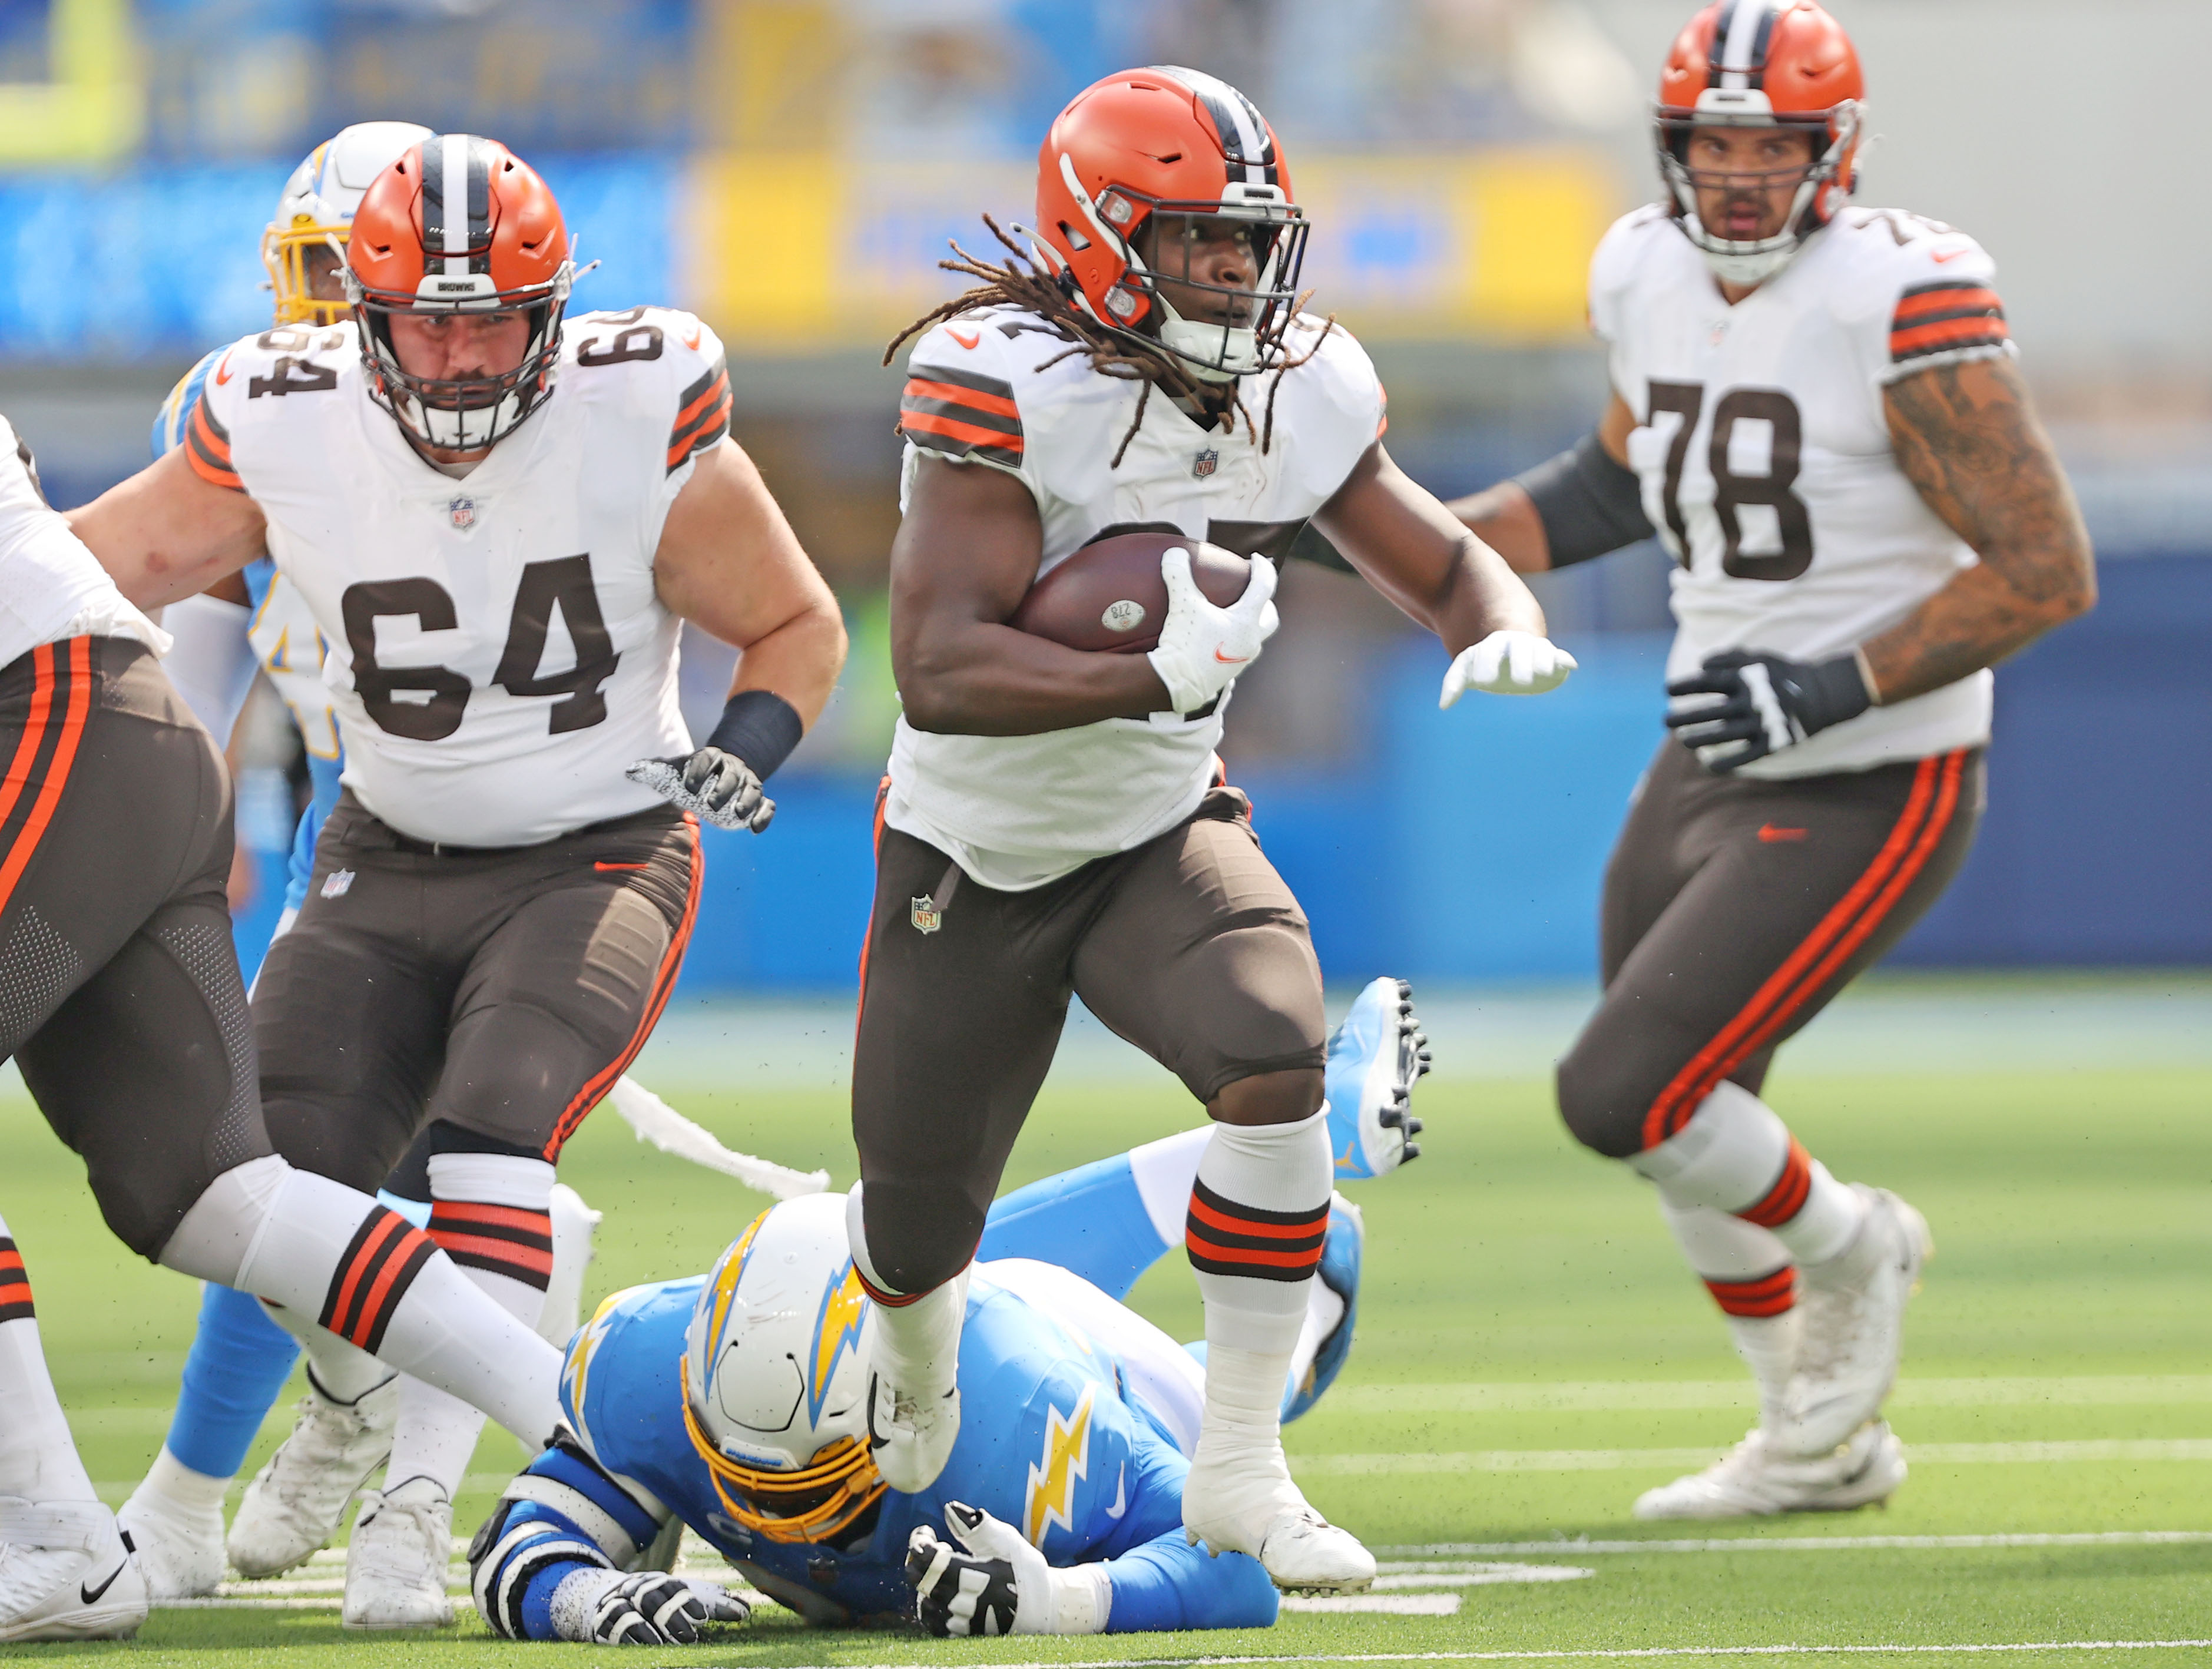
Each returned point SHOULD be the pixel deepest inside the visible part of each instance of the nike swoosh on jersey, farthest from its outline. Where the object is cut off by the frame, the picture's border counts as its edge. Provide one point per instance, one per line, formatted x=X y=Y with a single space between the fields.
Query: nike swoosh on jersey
x=1770 y=833
x=1121 y=1493
x=1940 y=255
x=692 y=340
x=966 y=339
x=222 y=372
x=1229 y=660
x=91 y=1595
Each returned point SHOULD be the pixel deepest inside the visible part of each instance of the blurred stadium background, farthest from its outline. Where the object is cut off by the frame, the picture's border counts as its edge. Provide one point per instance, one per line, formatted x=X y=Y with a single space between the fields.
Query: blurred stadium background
x=792 y=169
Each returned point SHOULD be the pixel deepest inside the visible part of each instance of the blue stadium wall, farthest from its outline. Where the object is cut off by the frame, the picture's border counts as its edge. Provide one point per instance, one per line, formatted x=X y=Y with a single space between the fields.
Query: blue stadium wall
x=1471 y=847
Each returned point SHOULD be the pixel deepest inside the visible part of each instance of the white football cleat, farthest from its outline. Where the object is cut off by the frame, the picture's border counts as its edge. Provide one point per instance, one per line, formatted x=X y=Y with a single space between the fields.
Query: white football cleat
x=1853 y=1310
x=1755 y=1480
x=1375 y=1059
x=1248 y=1504
x=178 y=1543
x=396 y=1563
x=66 y=1573
x=912 y=1432
x=292 y=1506
x=914 y=1389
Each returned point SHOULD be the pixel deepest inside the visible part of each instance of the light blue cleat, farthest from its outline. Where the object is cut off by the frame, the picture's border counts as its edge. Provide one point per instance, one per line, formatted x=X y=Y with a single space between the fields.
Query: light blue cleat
x=1375 y=1059
x=1339 y=1276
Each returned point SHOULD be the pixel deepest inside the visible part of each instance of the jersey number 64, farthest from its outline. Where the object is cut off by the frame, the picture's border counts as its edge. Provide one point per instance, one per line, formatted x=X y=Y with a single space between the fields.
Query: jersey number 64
x=438 y=696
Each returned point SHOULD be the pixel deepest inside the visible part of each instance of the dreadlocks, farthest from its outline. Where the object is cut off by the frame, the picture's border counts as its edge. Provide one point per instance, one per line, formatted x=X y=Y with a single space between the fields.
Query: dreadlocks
x=1020 y=283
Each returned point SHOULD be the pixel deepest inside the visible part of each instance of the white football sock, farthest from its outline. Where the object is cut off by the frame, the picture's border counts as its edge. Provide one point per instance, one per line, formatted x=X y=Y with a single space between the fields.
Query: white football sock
x=1258 y=1213
x=1164 y=1171
x=1750 y=1275
x=171 y=1480
x=344 y=1372
x=917 y=1344
x=38 y=1456
x=1736 y=1156
x=574 y=1223
x=329 y=1252
x=491 y=1214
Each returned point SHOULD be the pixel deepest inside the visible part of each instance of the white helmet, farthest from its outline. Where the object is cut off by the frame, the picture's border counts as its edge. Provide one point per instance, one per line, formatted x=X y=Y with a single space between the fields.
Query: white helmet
x=775 y=1381
x=316 y=212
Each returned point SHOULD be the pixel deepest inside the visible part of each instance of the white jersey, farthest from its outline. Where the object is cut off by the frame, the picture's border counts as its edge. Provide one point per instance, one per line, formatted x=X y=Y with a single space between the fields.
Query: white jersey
x=1765 y=459
x=1018 y=811
x=494 y=647
x=51 y=588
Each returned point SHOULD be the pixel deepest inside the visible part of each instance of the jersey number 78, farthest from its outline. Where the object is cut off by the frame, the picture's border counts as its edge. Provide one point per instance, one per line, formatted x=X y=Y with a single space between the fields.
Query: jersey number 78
x=1732 y=491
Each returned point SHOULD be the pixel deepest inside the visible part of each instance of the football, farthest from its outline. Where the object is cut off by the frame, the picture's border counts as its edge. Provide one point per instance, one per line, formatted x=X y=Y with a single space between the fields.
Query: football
x=1109 y=595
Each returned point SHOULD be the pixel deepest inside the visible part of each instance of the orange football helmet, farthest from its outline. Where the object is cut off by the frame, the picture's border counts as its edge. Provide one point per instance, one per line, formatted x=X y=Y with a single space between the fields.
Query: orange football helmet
x=458 y=224
x=1167 y=140
x=1763 y=64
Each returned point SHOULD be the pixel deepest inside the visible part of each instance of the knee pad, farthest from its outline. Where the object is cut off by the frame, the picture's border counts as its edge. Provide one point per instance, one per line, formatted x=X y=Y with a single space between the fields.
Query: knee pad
x=1602 y=1109
x=223 y=1226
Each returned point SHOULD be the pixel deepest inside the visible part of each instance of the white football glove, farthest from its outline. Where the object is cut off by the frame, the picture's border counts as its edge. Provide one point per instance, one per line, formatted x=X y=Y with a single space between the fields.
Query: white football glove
x=1507 y=664
x=995 y=1583
x=652 y=1608
x=1203 y=648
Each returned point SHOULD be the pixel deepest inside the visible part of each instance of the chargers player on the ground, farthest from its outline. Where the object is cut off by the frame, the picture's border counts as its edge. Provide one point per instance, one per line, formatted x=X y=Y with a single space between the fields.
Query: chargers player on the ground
x=1057 y=821
x=1817 y=406
x=498 y=521
x=240 y=1359
x=737 y=1402
x=123 y=1009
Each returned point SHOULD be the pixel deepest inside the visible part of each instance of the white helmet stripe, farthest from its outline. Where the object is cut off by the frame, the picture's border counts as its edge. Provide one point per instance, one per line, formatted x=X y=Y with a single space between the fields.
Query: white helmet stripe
x=1748 y=23
x=453 y=178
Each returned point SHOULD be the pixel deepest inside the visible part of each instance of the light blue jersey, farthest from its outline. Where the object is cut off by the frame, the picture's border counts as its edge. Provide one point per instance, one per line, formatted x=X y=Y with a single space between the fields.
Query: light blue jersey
x=1050 y=1442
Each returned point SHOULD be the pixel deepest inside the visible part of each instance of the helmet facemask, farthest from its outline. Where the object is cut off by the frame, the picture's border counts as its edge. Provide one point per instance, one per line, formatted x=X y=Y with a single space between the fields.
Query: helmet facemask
x=1824 y=182
x=288 y=252
x=462 y=414
x=1247 y=336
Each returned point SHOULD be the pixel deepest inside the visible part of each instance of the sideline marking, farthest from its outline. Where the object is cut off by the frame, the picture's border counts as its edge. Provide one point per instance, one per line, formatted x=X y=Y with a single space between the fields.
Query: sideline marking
x=1438 y=1551
x=1557 y=1460
x=1631 y=1396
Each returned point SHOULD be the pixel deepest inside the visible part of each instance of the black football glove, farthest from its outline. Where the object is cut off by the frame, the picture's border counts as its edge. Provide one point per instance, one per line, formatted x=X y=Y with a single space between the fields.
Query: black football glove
x=960 y=1590
x=653 y=1608
x=1743 y=706
x=718 y=786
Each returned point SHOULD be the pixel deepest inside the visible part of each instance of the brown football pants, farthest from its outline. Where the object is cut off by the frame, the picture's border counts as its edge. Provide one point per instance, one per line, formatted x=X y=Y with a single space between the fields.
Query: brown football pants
x=496 y=993
x=1190 y=946
x=119 y=993
x=1734 y=910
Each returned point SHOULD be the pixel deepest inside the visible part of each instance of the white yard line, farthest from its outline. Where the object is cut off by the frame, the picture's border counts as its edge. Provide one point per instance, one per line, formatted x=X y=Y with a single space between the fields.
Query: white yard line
x=1408 y=1557
x=1690 y=1459
x=1395 y=1604
x=1639 y=1396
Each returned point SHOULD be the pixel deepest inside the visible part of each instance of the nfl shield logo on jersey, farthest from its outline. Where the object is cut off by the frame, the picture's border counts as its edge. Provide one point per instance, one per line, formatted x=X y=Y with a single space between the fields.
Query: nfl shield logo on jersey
x=1204 y=464
x=337 y=883
x=927 y=915
x=463 y=513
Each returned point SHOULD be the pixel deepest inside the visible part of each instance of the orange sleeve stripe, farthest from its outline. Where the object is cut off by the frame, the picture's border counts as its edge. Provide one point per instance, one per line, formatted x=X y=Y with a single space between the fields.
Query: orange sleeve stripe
x=1949 y=332
x=207 y=449
x=925 y=424
x=953 y=394
x=1947 y=301
x=717 y=390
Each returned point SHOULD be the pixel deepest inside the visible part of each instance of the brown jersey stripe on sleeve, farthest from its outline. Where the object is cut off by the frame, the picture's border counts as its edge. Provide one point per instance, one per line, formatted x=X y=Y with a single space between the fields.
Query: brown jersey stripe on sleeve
x=15 y=1284
x=1948 y=314
x=207 y=448
x=962 y=413
x=702 y=416
x=1945 y=334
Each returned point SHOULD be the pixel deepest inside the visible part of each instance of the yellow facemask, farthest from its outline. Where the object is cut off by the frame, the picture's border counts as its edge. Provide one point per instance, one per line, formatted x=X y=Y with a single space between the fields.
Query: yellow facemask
x=285 y=251
x=841 y=1483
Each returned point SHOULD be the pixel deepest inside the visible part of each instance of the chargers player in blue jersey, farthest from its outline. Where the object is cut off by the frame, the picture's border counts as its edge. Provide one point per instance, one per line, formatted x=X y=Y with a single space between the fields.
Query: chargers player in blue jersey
x=736 y=1403
x=240 y=1359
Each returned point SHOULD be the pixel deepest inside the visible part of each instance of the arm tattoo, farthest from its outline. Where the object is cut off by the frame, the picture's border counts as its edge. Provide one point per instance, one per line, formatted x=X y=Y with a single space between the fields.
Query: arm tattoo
x=1967 y=438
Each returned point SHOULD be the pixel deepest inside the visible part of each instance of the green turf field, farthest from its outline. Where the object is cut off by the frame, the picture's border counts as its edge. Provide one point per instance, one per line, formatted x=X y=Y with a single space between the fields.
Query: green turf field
x=1531 y=1354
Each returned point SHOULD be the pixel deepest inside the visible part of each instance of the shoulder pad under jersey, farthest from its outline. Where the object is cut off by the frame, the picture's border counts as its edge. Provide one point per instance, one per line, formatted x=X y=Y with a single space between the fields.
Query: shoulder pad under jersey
x=661 y=362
